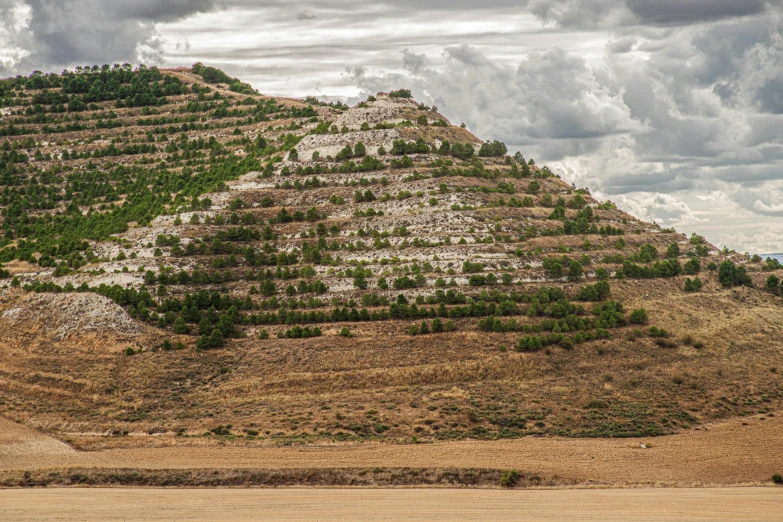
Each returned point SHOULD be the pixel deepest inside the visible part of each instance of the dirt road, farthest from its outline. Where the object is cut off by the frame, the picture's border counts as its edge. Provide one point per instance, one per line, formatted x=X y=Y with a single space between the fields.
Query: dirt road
x=235 y=505
x=731 y=453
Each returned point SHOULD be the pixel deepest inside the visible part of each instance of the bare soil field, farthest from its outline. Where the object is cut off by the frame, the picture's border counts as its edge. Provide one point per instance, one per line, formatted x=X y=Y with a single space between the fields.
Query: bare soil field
x=730 y=453
x=236 y=505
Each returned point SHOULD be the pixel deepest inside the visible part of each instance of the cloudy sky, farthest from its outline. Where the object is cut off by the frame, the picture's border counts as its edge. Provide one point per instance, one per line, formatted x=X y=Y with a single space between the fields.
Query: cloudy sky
x=671 y=108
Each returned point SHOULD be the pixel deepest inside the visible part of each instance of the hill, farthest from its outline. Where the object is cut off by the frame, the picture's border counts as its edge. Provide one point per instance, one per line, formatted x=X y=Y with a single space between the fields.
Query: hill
x=189 y=262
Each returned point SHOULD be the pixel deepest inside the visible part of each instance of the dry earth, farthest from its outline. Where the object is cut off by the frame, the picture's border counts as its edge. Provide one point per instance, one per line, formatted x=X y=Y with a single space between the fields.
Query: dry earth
x=730 y=453
x=345 y=505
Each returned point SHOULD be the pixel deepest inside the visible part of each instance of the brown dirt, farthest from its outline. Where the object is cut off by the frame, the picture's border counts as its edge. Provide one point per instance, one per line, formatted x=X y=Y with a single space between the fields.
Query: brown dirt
x=236 y=505
x=730 y=453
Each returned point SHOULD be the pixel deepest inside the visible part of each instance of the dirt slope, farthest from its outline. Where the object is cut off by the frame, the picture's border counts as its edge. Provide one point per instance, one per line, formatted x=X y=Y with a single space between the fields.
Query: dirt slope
x=20 y=442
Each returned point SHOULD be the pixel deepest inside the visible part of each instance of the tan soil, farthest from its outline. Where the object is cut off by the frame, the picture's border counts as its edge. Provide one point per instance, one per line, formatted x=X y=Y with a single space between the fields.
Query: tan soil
x=730 y=453
x=236 y=505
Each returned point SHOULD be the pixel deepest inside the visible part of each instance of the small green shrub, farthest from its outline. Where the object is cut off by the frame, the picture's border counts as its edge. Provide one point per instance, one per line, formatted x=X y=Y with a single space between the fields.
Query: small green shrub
x=777 y=478
x=638 y=316
x=509 y=478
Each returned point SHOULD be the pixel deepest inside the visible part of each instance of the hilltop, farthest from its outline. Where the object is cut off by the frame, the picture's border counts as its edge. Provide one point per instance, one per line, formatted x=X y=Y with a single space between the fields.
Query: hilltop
x=187 y=261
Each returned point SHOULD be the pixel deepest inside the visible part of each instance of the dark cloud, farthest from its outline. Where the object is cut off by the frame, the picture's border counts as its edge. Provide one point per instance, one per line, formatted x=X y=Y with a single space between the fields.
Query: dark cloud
x=681 y=12
x=71 y=32
x=769 y=96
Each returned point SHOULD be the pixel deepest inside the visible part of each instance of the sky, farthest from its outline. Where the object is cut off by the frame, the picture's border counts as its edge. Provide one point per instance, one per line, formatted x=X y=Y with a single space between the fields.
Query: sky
x=673 y=109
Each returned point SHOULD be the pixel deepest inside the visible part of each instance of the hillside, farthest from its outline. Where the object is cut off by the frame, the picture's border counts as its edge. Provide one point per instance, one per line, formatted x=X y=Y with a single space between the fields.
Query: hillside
x=189 y=262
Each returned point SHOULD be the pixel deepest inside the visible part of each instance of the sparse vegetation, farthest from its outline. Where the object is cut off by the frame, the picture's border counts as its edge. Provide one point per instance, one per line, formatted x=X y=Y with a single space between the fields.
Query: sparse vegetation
x=298 y=285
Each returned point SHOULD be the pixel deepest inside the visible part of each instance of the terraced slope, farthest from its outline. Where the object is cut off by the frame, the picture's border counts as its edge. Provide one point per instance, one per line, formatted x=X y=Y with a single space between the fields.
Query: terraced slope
x=189 y=262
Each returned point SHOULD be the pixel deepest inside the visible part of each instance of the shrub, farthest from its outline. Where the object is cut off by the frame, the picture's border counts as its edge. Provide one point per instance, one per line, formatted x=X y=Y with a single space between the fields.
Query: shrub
x=345 y=332
x=658 y=332
x=777 y=478
x=692 y=285
x=509 y=478
x=401 y=93
x=263 y=335
x=638 y=316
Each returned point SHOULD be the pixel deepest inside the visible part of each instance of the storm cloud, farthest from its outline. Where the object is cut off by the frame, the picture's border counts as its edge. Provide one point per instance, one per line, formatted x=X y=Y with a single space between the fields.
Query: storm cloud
x=62 y=33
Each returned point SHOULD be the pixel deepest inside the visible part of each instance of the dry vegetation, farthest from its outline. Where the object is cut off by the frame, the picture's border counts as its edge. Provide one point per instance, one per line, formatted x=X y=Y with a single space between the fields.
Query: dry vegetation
x=98 y=374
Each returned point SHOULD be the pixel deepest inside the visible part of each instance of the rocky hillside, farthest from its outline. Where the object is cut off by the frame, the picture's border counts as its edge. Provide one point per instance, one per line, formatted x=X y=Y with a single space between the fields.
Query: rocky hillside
x=188 y=261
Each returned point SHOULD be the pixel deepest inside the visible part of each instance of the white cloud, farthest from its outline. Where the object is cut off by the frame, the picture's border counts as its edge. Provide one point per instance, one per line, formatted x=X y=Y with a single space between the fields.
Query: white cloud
x=665 y=209
x=766 y=241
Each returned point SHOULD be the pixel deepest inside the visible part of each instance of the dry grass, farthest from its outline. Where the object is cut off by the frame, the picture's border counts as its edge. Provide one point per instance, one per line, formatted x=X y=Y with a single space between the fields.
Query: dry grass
x=449 y=385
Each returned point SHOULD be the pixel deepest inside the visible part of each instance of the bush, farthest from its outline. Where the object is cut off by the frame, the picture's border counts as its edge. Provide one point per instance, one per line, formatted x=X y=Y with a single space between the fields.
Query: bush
x=401 y=93
x=777 y=478
x=263 y=335
x=638 y=316
x=692 y=285
x=345 y=332
x=509 y=478
x=658 y=332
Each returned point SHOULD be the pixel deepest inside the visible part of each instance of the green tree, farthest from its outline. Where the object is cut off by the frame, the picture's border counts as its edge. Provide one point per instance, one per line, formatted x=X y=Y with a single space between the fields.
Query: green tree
x=730 y=275
x=533 y=187
x=575 y=271
x=602 y=273
x=359 y=280
x=437 y=326
x=180 y=327
x=773 y=283
x=216 y=339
